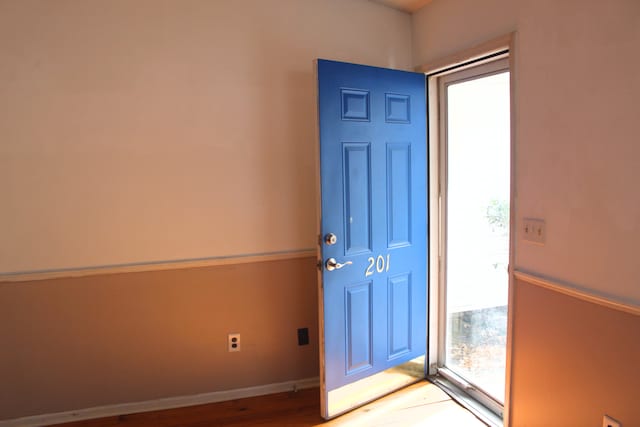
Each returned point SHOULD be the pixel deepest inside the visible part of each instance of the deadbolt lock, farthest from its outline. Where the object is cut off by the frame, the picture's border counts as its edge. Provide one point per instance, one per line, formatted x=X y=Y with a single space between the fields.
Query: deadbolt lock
x=330 y=239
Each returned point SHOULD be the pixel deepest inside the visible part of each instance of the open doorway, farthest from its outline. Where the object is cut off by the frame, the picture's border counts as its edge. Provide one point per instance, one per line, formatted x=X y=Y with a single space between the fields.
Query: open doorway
x=373 y=243
x=473 y=228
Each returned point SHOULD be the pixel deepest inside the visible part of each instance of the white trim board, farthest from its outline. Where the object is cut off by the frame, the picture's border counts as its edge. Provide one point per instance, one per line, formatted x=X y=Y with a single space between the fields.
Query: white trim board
x=577 y=292
x=160 y=404
x=156 y=266
x=480 y=50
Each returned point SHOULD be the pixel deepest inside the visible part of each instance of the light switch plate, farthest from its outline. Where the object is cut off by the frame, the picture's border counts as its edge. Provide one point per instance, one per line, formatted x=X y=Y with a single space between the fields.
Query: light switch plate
x=534 y=230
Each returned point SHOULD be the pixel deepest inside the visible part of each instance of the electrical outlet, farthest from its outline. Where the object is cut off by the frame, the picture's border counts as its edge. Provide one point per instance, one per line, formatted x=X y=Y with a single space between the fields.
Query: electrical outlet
x=233 y=342
x=607 y=421
x=303 y=336
x=534 y=230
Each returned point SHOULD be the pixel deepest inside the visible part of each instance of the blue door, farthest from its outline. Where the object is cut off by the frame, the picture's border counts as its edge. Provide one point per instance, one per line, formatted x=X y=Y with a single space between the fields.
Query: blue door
x=372 y=124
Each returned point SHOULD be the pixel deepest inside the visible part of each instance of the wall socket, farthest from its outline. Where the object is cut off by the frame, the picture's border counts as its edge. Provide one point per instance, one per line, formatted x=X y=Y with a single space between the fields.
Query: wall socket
x=534 y=230
x=303 y=336
x=607 y=421
x=233 y=342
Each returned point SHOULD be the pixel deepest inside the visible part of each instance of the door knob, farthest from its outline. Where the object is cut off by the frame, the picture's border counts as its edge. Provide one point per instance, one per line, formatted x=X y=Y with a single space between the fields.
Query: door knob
x=332 y=264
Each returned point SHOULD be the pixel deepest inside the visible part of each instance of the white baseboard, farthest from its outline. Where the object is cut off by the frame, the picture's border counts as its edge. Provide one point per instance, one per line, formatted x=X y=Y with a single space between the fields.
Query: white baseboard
x=159 y=404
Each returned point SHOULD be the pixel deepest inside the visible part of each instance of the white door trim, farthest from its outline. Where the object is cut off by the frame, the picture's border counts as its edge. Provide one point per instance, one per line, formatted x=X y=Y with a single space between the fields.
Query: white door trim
x=472 y=56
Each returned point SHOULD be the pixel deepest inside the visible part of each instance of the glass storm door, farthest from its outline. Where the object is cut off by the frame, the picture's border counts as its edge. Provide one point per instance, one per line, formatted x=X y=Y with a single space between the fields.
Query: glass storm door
x=373 y=238
x=476 y=186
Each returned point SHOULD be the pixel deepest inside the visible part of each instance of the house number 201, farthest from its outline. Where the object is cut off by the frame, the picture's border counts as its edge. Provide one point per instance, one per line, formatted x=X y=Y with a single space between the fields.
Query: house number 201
x=378 y=264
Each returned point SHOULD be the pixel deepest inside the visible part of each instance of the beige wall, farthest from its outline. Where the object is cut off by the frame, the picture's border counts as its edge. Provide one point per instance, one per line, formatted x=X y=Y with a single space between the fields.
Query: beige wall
x=163 y=130
x=84 y=342
x=574 y=361
x=577 y=82
x=157 y=130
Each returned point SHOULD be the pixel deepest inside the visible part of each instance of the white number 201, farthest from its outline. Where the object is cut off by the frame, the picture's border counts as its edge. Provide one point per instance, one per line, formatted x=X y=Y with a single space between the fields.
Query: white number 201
x=380 y=264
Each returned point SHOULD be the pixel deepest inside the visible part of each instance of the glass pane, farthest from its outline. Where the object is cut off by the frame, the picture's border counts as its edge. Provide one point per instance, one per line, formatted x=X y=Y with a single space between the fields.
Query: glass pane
x=478 y=161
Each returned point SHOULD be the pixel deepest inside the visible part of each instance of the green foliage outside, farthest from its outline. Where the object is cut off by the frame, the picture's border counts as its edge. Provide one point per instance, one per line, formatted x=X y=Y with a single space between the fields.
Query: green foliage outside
x=498 y=213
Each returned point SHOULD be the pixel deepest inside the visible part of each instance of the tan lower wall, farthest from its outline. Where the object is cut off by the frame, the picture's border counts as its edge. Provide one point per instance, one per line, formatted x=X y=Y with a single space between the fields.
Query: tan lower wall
x=573 y=361
x=83 y=342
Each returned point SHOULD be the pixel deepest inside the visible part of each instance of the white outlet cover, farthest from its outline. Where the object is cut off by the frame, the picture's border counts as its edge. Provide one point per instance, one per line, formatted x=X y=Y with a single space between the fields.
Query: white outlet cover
x=607 y=421
x=231 y=340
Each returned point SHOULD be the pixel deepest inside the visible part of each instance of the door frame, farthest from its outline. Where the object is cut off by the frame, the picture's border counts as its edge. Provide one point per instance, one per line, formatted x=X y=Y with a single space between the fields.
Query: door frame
x=484 y=52
x=495 y=65
x=472 y=55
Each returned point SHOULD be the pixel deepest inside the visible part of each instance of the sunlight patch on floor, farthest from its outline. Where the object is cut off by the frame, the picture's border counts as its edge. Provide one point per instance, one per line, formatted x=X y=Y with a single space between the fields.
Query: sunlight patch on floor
x=370 y=388
x=421 y=404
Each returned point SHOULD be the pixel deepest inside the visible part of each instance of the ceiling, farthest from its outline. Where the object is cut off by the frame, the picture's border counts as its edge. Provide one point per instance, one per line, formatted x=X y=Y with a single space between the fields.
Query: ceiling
x=409 y=6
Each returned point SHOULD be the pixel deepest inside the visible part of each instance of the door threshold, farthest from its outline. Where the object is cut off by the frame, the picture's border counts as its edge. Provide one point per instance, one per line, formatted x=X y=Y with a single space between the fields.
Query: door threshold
x=463 y=398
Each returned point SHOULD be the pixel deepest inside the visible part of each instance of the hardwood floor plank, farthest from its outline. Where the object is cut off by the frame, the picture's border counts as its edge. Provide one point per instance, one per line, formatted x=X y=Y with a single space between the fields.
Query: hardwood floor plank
x=301 y=407
x=419 y=404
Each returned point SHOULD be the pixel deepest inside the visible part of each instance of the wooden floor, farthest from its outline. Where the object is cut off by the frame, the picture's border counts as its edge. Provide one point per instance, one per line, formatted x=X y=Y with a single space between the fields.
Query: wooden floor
x=421 y=404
